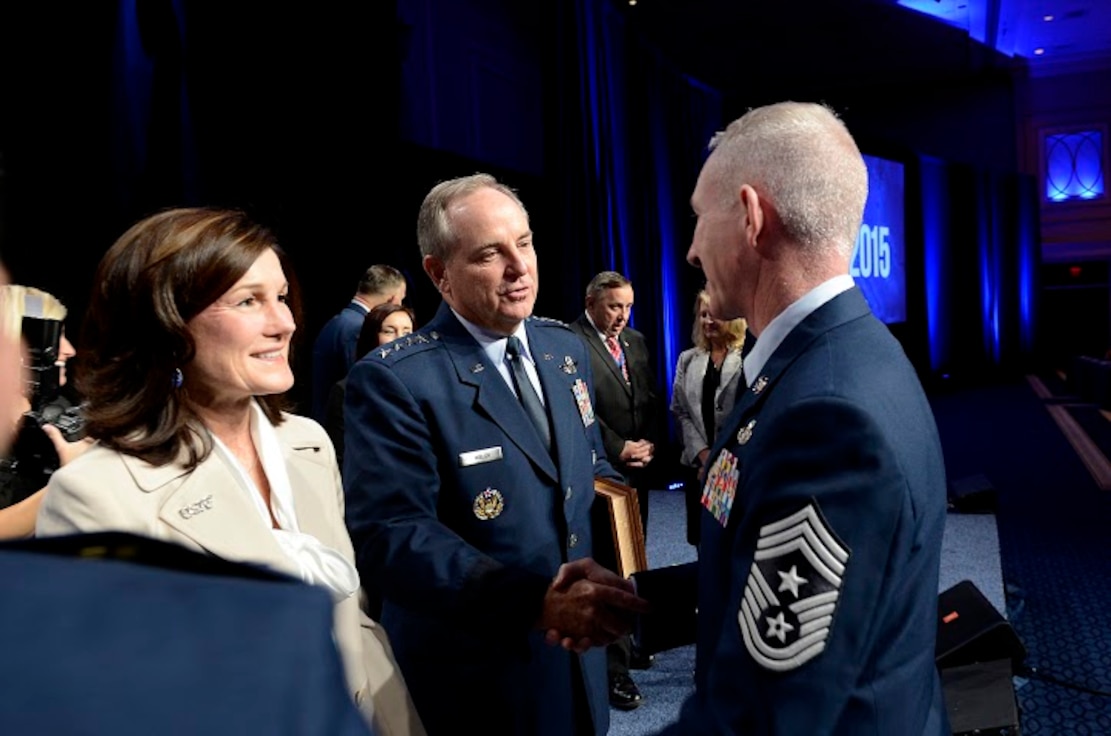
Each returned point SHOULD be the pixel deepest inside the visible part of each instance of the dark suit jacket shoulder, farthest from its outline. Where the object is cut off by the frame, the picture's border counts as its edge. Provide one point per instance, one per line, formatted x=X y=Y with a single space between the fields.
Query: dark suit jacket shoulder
x=333 y=354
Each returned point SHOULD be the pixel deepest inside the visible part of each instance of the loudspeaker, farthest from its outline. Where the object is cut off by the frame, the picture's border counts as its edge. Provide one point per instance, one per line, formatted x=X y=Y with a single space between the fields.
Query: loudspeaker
x=973 y=494
x=980 y=699
x=970 y=630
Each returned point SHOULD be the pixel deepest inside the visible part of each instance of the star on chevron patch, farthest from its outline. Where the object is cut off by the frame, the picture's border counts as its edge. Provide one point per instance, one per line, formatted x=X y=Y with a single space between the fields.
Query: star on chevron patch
x=792 y=590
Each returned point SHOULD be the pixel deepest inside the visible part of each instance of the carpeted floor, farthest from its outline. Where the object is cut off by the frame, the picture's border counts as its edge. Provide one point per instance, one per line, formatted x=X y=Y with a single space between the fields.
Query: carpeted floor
x=1053 y=525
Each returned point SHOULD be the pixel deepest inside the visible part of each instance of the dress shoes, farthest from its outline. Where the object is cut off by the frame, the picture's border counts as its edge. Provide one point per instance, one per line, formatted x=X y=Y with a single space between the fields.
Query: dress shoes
x=624 y=694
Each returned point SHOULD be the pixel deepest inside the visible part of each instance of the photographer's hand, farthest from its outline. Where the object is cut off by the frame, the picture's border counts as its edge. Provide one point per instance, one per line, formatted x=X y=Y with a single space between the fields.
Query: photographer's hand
x=18 y=520
x=67 y=451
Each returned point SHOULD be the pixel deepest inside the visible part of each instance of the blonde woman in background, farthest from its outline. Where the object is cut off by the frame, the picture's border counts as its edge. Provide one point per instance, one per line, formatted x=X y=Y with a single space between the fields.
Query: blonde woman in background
x=706 y=383
x=9 y=366
x=21 y=495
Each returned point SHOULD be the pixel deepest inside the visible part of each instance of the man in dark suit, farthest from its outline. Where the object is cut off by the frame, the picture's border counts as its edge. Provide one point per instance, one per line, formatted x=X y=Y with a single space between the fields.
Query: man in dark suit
x=472 y=448
x=825 y=495
x=628 y=404
x=333 y=352
x=628 y=409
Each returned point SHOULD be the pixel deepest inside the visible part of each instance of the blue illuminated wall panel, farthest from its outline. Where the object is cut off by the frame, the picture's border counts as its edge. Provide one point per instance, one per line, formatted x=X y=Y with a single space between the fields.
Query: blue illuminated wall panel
x=1074 y=165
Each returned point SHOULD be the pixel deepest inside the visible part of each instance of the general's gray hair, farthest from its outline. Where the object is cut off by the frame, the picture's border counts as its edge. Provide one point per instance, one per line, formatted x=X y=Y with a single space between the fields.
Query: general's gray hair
x=434 y=228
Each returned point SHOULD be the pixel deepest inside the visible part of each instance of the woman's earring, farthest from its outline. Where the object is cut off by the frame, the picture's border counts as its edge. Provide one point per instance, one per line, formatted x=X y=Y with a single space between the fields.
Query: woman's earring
x=177 y=379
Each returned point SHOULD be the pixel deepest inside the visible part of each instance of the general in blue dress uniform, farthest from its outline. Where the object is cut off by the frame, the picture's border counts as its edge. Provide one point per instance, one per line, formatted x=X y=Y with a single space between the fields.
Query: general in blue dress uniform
x=463 y=506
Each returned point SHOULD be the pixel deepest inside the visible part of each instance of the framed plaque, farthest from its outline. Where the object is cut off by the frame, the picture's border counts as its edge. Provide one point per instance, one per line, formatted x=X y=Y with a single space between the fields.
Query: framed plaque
x=624 y=516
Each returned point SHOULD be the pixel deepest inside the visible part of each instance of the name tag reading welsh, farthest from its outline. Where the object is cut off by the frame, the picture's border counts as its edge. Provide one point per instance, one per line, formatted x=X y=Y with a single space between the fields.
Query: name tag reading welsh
x=477 y=457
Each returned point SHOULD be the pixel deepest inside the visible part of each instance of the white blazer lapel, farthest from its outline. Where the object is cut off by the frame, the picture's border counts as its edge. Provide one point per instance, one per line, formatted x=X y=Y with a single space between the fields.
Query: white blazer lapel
x=313 y=476
x=209 y=508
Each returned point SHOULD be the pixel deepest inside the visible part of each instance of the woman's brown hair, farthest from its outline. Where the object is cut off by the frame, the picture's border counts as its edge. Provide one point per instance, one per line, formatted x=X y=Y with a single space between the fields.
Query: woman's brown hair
x=372 y=325
x=157 y=276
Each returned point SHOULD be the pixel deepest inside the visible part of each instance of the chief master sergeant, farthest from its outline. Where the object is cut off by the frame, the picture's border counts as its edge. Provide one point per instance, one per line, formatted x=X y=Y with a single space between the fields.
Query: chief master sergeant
x=824 y=495
x=465 y=500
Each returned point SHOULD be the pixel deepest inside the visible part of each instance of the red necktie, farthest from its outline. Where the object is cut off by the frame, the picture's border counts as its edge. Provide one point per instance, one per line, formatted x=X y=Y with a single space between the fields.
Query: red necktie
x=618 y=355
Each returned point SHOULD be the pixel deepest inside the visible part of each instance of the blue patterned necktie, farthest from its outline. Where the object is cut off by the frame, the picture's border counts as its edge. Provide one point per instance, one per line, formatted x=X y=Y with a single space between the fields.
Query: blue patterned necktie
x=525 y=392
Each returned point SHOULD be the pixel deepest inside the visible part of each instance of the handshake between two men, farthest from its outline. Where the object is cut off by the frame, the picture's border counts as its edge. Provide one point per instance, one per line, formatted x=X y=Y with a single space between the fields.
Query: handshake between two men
x=588 y=605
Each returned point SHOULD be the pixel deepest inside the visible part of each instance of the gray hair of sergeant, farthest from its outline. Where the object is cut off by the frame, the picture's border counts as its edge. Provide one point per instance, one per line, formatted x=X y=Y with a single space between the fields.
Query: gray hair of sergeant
x=380 y=280
x=435 y=233
x=802 y=158
x=605 y=280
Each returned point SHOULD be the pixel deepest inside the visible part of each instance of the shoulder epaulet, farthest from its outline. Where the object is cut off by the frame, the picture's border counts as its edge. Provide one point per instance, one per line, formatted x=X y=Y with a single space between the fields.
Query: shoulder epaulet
x=548 y=322
x=409 y=345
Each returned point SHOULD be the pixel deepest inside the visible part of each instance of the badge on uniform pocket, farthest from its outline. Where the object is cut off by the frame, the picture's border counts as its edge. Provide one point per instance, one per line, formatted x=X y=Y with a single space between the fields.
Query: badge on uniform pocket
x=488 y=504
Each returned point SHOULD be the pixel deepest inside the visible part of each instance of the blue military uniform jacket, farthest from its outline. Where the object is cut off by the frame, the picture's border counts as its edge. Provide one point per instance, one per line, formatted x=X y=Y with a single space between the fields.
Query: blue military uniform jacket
x=115 y=633
x=333 y=354
x=818 y=570
x=454 y=504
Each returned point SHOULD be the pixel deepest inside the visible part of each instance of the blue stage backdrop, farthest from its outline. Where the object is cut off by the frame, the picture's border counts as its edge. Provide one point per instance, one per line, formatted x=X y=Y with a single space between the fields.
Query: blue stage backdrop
x=879 y=259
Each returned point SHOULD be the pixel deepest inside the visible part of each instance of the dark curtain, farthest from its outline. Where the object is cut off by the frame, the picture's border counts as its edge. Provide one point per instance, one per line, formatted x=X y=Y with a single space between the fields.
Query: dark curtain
x=625 y=155
x=982 y=258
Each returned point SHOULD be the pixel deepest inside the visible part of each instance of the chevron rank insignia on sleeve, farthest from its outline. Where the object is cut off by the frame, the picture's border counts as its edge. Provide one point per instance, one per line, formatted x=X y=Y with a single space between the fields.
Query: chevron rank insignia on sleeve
x=792 y=590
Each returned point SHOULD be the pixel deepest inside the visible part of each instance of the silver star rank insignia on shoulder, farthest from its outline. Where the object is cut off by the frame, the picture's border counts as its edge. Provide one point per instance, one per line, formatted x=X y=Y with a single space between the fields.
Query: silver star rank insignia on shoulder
x=792 y=591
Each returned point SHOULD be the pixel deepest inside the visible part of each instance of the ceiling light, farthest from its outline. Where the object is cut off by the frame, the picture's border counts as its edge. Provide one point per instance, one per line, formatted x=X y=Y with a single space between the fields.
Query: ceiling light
x=1047 y=18
x=1039 y=52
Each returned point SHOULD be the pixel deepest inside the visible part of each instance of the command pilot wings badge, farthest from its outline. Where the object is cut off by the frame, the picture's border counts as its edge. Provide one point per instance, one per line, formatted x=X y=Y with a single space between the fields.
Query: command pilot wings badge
x=792 y=590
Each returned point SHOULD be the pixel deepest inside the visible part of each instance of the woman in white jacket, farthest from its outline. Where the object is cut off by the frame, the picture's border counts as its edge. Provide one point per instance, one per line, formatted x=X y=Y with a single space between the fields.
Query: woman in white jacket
x=706 y=381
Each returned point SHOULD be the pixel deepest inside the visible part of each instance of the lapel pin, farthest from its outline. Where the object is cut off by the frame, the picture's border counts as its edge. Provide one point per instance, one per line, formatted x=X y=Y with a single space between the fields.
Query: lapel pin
x=745 y=433
x=477 y=368
x=569 y=366
x=384 y=352
x=188 y=512
x=547 y=356
x=760 y=385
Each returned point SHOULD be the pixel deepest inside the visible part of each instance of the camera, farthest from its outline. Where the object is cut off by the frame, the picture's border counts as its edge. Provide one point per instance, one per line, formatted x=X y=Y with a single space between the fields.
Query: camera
x=33 y=452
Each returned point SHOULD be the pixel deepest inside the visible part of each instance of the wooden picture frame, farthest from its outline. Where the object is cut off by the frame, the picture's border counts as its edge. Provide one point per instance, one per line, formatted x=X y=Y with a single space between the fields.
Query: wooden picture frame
x=624 y=515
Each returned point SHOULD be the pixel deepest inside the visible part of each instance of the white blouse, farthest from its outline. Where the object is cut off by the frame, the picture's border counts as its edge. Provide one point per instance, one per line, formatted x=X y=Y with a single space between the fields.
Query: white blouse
x=315 y=562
